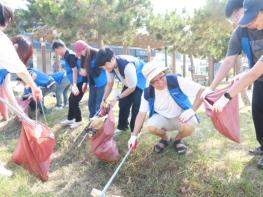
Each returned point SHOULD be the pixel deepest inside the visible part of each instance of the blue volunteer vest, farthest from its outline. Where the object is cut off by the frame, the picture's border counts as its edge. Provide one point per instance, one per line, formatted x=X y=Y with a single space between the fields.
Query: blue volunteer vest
x=42 y=79
x=246 y=48
x=58 y=76
x=100 y=80
x=123 y=60
x=3 y=73
x=175 y=91
x=69 y=69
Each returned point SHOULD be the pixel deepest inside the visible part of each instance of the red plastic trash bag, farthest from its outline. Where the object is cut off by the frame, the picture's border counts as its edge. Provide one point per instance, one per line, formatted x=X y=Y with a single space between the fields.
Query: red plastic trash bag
x=227 y=121
x=34 y=149
x=3 y=107
x=102 y=143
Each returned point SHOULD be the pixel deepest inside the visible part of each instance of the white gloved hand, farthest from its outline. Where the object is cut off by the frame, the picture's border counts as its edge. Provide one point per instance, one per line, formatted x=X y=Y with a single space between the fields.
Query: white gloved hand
x=83 y=72
x=132 y=143
x=206 y=92
x=186 y=115
x=220 y=104
x=74 y=89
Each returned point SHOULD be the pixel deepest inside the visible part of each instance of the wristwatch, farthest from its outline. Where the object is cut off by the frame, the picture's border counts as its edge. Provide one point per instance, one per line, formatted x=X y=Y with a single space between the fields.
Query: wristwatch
x=227 y=95
x=118 y=97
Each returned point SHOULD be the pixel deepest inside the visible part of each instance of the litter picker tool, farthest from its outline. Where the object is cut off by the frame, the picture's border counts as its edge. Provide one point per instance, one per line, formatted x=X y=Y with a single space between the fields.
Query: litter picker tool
x=18 y=112
x=88 y=131
x=102 y=193
x=43 y=111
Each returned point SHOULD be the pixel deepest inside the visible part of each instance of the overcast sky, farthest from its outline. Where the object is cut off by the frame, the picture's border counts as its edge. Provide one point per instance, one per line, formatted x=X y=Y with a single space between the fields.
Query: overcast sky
x=168 y=5
x=159 y=5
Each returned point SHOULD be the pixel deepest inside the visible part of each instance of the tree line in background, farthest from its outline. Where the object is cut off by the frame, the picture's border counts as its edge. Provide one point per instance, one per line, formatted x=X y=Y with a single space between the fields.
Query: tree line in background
x=204 y=33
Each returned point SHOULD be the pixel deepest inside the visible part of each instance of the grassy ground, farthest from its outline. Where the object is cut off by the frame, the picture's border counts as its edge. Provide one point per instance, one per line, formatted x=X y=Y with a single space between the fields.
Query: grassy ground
x=214 y=166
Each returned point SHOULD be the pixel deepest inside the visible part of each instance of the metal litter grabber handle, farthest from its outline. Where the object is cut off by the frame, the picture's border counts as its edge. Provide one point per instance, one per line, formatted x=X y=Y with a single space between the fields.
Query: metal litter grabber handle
x=43 y=111
x=18 y=112
x=85 y=130
x=99 y=193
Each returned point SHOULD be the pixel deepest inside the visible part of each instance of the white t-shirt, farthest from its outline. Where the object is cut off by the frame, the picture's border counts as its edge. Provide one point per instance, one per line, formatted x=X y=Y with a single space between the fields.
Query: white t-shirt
x=165 y=105
x=8 y=56
x=130 y=79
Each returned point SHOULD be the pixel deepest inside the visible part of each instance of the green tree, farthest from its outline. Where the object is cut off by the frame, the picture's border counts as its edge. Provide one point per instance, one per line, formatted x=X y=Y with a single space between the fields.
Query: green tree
x=103 y=20
x=205 y=34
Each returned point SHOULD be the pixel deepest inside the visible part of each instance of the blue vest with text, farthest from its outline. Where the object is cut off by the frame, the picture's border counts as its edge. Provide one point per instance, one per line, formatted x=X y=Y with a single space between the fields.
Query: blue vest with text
x=3 y=73
x=69 y=69
x=175 y=91
x=58 y=76
x=123 y=60
x=245 y=44
x=42 y=79
x=100 y=80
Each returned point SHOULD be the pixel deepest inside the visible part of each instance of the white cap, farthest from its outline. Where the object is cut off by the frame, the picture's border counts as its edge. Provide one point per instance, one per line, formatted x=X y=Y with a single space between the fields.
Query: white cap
x=152 y=69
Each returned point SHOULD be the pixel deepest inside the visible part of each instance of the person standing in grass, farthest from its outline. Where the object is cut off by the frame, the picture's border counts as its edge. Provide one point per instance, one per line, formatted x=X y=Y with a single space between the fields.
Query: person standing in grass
x=72 y=67
x=250 y=42
x=96 y=75
x=10 y=61
x=127 y=69
x=62 y=88
x=167 y=100
x=252 y=19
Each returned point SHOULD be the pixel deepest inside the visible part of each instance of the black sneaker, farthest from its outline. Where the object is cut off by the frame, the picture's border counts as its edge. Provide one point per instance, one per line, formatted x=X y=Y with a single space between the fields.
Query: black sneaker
x=260 y=163
x=256 y=151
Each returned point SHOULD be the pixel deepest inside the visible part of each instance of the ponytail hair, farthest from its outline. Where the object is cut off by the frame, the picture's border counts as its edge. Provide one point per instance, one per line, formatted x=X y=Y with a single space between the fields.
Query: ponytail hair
x=23 y=47
x=85 y=62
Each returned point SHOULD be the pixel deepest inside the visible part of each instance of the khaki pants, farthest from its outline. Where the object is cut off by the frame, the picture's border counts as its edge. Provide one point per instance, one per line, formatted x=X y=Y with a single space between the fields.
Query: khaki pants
x=169 y=124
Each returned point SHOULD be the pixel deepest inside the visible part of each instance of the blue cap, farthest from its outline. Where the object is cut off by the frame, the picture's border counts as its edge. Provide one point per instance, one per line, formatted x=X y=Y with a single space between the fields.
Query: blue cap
x=251 y=9
x=233 y=5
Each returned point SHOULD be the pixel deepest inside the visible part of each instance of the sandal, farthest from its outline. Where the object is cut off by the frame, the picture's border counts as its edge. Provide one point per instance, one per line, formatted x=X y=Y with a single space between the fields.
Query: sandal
x=162 y=144
x=180 y=147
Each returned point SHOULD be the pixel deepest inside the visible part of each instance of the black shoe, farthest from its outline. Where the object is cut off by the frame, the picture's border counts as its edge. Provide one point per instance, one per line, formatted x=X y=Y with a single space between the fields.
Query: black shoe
x=260 y=163
x=123 y=128
x=256 y=151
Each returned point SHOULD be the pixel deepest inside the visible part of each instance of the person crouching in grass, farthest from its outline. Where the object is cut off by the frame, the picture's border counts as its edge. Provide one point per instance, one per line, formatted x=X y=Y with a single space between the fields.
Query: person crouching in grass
x=167 y=101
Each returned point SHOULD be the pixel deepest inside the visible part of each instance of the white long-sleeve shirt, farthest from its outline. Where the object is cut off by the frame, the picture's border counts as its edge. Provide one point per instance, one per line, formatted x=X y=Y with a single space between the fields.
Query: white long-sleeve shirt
x=9 y=59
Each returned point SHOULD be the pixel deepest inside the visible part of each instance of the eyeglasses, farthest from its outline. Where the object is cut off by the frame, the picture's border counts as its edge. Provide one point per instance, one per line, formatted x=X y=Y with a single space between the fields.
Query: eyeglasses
x=158 y=79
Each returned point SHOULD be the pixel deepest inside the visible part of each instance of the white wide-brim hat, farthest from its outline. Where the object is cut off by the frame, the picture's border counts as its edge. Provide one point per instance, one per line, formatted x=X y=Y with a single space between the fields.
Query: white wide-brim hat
x=152 y=69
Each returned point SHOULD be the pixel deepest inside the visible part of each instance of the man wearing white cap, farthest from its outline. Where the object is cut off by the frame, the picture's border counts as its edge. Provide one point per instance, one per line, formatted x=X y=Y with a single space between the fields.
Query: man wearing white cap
x=167 y=101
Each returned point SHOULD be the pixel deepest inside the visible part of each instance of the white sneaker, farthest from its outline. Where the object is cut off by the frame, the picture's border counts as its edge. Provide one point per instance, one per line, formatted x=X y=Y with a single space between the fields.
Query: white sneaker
x=75 y=125
x=5 y=172
x=67 y=122
x=58 y=107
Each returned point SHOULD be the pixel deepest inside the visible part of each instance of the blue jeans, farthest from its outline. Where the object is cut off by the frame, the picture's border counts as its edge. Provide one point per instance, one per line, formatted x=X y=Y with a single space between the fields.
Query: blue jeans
x=95 y=99
x=62 y=88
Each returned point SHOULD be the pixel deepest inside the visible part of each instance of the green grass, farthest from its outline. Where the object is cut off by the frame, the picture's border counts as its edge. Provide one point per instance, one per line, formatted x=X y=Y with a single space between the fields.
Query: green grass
x=214 y=166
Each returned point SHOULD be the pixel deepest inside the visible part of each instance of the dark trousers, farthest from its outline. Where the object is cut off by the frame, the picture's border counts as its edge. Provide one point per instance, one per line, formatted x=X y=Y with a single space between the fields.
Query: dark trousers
x=131 y=102
x=95 y=99
x=74 y=109
x=257 y=110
